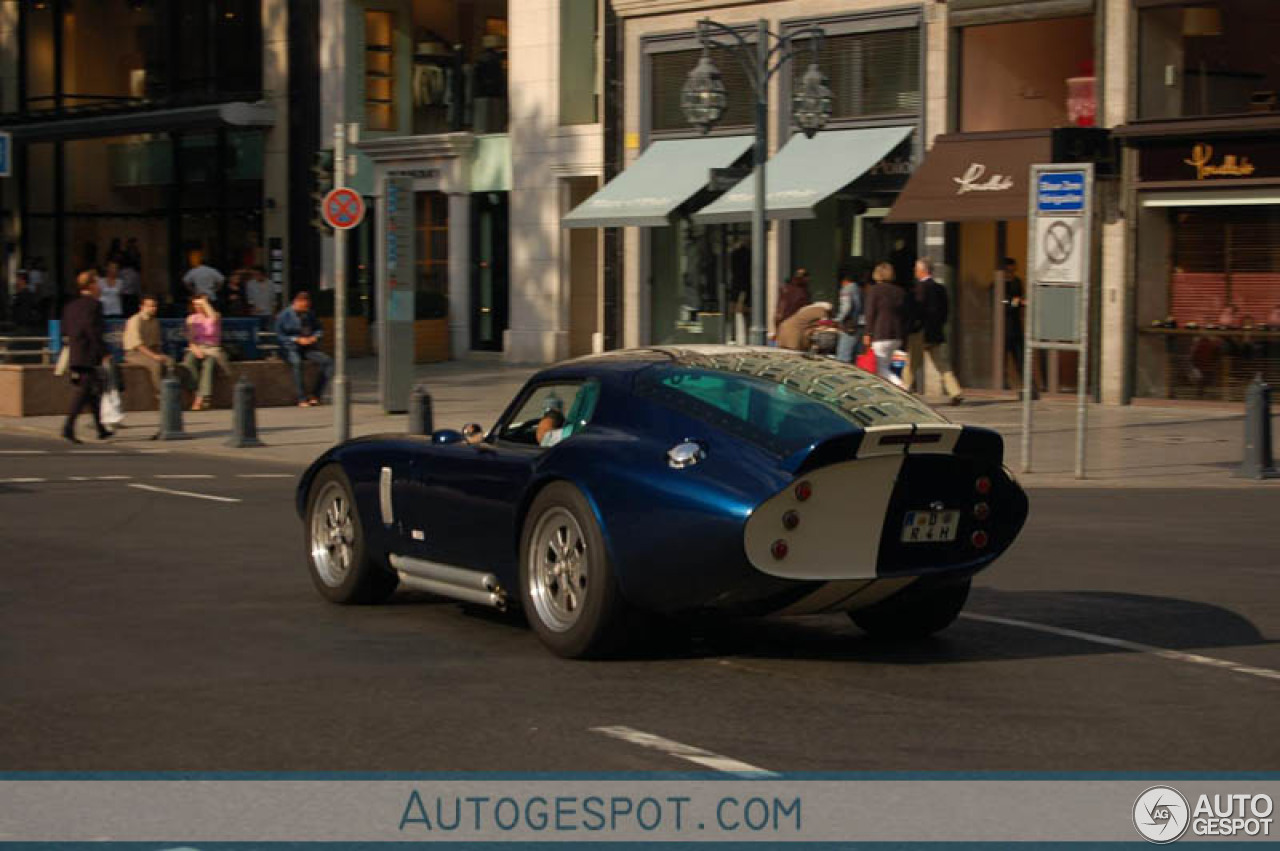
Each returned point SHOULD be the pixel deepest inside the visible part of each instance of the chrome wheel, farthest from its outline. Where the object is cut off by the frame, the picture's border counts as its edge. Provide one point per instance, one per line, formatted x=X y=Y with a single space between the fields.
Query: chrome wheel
x=558 y=569
x=333 y=533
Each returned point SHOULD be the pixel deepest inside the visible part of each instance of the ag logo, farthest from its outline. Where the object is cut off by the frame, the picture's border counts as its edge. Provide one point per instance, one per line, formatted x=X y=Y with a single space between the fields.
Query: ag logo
x=1161 y=814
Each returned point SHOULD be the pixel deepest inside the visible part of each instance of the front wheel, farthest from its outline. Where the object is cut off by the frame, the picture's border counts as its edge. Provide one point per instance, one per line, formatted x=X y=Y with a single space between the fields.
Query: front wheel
x=567 y=586
x=913 y=613
x=340 y=566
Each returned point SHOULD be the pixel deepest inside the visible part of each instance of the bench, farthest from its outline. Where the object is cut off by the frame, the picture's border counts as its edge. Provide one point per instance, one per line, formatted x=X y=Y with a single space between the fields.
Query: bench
x=30 y=390
x=18 y=349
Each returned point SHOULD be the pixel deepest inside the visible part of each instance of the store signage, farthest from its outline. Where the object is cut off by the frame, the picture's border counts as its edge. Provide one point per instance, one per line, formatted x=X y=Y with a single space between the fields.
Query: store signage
x=424 y=173
x=1232 y=165
x=975 y=179
x=6 y=154
x=1222 y=161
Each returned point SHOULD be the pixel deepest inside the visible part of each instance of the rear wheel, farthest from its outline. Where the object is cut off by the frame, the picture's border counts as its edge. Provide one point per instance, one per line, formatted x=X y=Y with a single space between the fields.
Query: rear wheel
x=913 y=613
x=567 y=586
x=339 y=564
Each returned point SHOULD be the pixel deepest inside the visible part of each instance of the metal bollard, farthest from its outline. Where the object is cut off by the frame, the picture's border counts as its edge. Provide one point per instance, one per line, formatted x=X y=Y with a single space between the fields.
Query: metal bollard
x=1257 y=463
x=244 y=421
x=420 y=415
x=170 y=411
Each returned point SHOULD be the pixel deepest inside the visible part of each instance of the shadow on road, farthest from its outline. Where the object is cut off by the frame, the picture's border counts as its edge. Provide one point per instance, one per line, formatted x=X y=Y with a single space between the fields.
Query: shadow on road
x=1162 y=622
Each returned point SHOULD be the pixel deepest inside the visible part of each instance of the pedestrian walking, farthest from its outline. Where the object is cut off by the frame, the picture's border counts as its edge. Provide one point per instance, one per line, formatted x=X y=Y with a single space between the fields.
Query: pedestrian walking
x=888 y=317
x=203 y=280
x=144 y=345
x=299 y=333
x=84 y=327
x=929 y=343
x=793 y=296
x=849 y=318
x=111 y=291
x=204 y=349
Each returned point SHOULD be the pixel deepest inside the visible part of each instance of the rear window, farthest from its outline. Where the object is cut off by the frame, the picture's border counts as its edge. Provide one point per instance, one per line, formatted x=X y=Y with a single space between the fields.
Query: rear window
x=781 y=403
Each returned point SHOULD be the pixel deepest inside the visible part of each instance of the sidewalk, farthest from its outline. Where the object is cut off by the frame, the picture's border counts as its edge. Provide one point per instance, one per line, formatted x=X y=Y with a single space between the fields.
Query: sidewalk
x=1154 y=447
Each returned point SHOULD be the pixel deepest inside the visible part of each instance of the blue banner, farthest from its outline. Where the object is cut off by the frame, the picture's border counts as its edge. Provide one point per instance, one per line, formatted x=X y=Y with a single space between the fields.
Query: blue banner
x=238 y=333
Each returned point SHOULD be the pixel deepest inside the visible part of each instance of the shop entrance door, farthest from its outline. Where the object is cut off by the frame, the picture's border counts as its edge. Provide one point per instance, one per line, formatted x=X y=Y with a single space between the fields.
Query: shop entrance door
x=490 y=275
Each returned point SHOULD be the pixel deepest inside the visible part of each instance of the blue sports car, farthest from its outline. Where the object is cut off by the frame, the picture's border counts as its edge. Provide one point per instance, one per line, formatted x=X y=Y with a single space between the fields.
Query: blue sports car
x=673 y=479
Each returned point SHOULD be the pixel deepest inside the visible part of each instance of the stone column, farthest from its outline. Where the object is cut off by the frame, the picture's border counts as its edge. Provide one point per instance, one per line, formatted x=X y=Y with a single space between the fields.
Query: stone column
x=459 y=274
x=1117 y=284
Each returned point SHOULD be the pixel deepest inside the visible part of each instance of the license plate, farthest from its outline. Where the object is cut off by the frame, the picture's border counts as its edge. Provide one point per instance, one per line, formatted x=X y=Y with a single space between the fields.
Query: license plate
x=930 y=527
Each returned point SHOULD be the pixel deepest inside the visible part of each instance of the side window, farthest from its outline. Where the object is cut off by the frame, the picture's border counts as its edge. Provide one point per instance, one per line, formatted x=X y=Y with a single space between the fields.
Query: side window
x=551 y=413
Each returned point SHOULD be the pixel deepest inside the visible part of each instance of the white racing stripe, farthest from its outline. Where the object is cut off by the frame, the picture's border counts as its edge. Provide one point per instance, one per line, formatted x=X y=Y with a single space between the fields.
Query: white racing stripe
x=682 y=751
x=1120 y=643
x=207 y=496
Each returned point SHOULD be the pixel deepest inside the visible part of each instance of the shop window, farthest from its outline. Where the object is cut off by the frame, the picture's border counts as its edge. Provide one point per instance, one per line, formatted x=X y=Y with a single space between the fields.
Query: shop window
x=874 y=74
x=1210 y=58
x=432 y=249
x=379 y=71
x=1027 y=75
x=578 y=36
x=667 y=73
x=457 y=68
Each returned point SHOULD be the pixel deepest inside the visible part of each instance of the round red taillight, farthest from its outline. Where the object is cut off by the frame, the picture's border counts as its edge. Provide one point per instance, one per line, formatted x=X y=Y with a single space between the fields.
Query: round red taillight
x=790 y=520
x=779 y=549
x=804 y=490
x=981 y=511
x=978 y=539
x=982 y=485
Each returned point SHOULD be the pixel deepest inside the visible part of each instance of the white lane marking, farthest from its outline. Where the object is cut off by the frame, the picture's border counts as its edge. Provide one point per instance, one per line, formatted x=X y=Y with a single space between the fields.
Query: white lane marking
x=112 y=478
x=94 y=452
x=24 y=451
x=209 y=497
x=151 y=451
x=1163 y=653
x=183 y=476
x=22 y=480
x=264 y=475
x=77 y=478
x=682 y=751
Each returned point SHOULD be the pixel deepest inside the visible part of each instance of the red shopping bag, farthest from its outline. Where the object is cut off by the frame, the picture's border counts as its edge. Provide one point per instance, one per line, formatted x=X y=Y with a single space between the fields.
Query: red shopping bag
x=866 y=361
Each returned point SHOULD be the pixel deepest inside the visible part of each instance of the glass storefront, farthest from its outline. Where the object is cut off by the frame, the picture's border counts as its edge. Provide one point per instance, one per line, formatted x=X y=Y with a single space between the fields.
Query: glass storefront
x=1208 y=311
x=701 y=278
x=1209 y=57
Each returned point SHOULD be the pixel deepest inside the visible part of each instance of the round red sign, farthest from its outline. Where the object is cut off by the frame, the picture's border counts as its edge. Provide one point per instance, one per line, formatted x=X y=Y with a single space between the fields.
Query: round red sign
x=342 y=208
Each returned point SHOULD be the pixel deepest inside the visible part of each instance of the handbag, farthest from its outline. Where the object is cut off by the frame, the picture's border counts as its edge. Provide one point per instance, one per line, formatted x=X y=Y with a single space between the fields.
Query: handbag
x=111 y=411
x=866 y=361
x=64 y=360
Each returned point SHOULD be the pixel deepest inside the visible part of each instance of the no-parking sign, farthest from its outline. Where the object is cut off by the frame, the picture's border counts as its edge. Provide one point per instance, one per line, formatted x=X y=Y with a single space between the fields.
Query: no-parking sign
x=342 y=208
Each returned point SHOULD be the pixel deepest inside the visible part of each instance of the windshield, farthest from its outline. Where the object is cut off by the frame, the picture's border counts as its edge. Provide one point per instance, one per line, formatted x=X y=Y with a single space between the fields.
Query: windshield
x=781 y=403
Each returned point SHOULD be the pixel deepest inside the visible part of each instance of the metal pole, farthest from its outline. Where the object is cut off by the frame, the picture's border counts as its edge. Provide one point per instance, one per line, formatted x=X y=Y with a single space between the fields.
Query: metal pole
x=759 y=250
x=341 y=390
x=1082 y=366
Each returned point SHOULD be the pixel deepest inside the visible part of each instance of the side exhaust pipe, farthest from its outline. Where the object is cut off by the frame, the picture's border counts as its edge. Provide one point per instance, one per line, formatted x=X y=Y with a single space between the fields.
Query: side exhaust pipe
x=469 y=586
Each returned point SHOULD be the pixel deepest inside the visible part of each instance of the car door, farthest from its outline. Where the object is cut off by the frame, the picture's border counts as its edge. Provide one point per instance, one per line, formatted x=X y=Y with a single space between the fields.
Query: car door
x=466 y=516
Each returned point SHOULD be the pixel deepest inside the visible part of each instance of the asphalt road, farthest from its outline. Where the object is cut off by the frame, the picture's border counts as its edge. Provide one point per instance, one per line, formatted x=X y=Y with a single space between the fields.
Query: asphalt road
x=147 y=630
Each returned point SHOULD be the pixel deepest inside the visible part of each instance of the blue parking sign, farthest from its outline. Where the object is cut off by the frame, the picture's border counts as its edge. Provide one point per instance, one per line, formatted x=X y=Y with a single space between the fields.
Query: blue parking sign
x=1060 y=192
x=6 y=154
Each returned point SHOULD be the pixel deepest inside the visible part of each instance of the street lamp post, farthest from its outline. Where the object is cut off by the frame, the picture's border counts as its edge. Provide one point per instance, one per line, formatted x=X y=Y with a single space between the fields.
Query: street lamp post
x=703 y=100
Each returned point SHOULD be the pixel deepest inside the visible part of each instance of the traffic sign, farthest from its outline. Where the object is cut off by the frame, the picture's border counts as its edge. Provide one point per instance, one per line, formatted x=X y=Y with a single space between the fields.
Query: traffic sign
x=342 y=208
x=1059 y=257
x=1060 y=192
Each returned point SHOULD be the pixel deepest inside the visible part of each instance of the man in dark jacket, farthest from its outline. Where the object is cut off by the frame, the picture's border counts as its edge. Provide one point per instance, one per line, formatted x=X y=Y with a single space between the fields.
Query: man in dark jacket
x=794 y=295
x=932 y=306
x=83 y=327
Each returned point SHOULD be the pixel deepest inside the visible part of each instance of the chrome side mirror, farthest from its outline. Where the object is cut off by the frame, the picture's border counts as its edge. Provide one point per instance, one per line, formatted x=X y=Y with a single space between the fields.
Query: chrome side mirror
x=446 y=436
x=685 y=454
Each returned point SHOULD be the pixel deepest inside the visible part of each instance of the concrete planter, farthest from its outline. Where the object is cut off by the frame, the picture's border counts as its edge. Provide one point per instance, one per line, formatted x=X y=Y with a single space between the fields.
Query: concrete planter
x=430 y=340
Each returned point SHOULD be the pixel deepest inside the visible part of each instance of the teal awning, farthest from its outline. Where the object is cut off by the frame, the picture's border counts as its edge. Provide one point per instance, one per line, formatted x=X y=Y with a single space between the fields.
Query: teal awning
x=665 y=176
x=805 y=172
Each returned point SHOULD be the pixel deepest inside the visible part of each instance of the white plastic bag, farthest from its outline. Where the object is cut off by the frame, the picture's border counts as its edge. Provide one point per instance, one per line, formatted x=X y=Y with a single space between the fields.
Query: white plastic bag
x=64 y=360
x=112 y=411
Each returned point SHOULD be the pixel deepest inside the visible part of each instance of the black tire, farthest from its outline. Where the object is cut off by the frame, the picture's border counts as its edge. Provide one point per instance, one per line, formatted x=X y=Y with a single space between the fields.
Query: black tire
x=364 y=580
x=913 y=613
x=596 y=625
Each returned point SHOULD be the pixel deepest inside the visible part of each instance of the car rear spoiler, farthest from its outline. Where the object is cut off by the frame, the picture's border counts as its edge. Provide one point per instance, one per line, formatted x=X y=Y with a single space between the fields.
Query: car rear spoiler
x=923 y=438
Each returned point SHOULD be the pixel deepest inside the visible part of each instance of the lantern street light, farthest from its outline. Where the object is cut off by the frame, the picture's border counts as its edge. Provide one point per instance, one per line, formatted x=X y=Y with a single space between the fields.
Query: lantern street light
x=703 y=100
